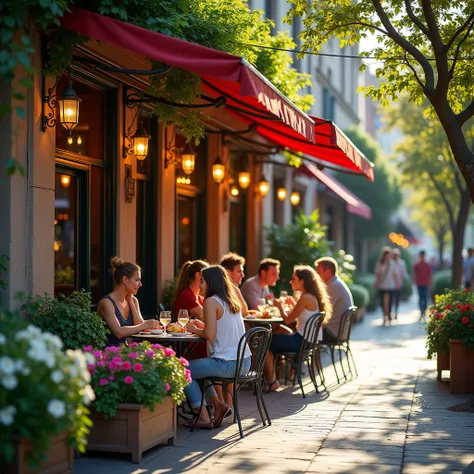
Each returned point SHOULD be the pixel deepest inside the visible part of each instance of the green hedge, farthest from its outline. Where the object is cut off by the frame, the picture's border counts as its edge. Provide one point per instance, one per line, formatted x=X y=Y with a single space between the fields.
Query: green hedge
x=441 y=281
x=360 y=294
x=367 y=280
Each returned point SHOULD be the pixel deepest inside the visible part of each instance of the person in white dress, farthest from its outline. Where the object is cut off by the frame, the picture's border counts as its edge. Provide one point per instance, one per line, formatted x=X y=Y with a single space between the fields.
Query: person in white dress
x=386 y=282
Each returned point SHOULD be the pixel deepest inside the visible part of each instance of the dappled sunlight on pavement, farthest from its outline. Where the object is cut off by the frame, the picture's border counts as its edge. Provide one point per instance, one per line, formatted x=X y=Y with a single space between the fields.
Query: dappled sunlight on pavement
x=393 y=418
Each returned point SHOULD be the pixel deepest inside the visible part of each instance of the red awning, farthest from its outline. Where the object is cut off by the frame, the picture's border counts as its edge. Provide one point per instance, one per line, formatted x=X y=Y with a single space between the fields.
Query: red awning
x=216 y=67
x=353 y=204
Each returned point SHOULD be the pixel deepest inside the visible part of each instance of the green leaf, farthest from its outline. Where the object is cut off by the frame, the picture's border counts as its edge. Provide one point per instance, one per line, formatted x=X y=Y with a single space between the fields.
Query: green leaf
x=24 y=59
x=19 y=96
x=20 y=112
x=26 y=82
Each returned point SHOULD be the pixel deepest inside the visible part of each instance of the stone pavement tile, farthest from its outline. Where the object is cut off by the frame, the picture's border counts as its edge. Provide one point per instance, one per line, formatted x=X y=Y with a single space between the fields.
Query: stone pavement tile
x=253 y=461
x=343 y=467
x=355 y=455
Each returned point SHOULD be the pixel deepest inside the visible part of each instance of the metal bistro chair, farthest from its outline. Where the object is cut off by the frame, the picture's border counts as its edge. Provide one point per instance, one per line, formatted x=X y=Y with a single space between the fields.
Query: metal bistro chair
x=343 y=343
x=309 y=353
x=258 y=340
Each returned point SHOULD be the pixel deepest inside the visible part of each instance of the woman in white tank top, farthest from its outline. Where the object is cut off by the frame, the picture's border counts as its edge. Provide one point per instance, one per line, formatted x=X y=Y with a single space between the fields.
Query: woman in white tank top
x=223 y=330
x=313 y=298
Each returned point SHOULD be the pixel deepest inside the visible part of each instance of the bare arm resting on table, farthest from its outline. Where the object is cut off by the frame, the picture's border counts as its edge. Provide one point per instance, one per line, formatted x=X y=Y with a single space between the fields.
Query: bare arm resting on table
x=212 y=312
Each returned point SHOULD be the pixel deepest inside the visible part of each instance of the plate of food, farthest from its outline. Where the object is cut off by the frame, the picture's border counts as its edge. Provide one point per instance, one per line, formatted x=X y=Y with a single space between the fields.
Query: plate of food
x=145 y=332
x=250 y=316
x=253 y=313
x=181 y=334
x=174 y=328
x=157 y=331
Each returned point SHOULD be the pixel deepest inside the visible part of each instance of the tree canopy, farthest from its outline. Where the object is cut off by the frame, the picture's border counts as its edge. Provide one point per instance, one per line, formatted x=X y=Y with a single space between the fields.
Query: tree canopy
x=383 y=195
x=423 y=47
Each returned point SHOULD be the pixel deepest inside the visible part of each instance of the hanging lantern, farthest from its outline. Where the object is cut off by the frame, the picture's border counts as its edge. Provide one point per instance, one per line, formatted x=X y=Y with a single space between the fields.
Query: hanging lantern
x=140 y=142
x=188 y=159
x=234 y=190
x=65 y=180
x=244 y=179
x=281 y=194
x=295 y=198
x=69 y=108
x=218 y=170
x=263 y=186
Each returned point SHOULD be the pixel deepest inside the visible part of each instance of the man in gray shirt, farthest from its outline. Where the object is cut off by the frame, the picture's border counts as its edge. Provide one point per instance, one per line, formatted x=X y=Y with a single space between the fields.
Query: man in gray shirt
x=341 y=297
x=256 y=287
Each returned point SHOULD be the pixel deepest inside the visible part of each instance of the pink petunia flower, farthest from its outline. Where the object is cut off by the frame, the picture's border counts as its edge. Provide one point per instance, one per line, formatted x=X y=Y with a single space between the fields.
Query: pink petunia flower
x=112 y=349
x=101 y=363
x=133 y=344
x=126 y=365
x=465 y=320
x=87 y=349
x=128 y=379
x=184 y=361
x=133 y=355
x=103 y=382
x=111 y=377
x=169 y=352
x=137 y=367
x=167 y=387
x=188 y=375
x=97 y=354
x=117 y=360
x=150 y=353
x=157 y=346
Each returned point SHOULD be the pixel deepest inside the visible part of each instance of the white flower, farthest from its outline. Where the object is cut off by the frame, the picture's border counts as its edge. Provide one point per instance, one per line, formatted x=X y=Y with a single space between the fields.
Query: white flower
x=19 y=365
x=50 y=360
x=9 y=382
x=57 y=376
x=7 y=365
x=26 y=371
x=34 y=331
x=23 y=334
x=57 y=408
x=3 y=339
x=73 y=371
x=7 y=414
x=88 y=394
x=52 y=340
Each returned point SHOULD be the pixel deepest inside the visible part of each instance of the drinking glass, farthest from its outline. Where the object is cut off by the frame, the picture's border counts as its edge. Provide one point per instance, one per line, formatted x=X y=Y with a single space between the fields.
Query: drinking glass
x=183 y=317
x=283 y=296
x=296 y=295
x=165 y=319
x=262 y=304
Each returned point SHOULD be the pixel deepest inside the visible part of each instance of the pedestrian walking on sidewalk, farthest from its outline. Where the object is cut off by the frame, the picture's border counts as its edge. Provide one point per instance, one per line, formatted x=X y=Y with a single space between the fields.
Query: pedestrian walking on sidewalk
x=386 y=282
x=402 y=274
x=422 y=275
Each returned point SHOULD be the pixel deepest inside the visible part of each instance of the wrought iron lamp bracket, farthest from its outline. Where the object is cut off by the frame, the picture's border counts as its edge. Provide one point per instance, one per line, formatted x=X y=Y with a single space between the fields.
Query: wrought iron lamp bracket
x=50 y=100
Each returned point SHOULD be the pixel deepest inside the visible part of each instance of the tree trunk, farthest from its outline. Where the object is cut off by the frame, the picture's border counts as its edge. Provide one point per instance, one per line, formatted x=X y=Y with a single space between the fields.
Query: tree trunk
x=458 y=238
x=441 y=240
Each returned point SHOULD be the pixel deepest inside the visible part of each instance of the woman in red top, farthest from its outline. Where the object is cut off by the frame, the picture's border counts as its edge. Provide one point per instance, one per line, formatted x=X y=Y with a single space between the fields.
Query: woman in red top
x=187 y=292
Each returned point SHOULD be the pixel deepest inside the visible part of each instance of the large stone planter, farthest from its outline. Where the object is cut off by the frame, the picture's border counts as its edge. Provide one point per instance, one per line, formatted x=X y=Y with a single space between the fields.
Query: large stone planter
x=461 y=368
x=59 y=458
x=442 y=363
x=134 y=429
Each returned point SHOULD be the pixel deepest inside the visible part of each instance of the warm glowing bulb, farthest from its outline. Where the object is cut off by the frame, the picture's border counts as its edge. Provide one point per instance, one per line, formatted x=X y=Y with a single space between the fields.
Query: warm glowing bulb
x=65 y=180
x=244 y=179
x=79 y=140
x=141 y=148
x=56 y=246
x=281 y=194
x=234 y=190
x=70 y=140
x=68 y=114
x=295 y=198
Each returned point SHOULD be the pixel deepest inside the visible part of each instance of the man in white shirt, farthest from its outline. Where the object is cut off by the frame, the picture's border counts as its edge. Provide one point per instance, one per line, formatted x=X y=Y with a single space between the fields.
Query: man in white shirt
x=256 y=287
x=234 y=264
x=402 y=275
x=341 y=296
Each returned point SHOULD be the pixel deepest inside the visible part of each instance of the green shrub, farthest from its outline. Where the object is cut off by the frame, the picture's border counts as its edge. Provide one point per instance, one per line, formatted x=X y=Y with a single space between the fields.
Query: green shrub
x=367 y=280
x=169 y=289
x=69 y=318
x=441 y=281
x=360 y=294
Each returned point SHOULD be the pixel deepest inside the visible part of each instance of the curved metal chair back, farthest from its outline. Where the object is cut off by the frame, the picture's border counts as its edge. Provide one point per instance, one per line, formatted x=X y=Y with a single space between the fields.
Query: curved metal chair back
x=310 y=335
x=345 y=325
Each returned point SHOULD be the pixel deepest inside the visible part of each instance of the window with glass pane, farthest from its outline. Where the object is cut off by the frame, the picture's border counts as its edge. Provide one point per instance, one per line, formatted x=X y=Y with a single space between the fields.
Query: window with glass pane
x=235 y=231
x=65 y=233
x=87 y=137
x=186 y=229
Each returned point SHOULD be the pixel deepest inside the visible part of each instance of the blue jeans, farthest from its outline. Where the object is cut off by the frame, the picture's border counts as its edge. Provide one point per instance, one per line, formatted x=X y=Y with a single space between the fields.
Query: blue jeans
x=210 y=367
x=423 y=298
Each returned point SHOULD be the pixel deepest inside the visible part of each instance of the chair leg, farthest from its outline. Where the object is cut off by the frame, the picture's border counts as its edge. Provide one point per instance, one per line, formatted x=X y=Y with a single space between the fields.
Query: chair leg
x=237 y=411
x=334 y=363
x=309 y=363
x=342 y=364
x=259 y=406
x=352 y=358
x=299 y=368
x=320 y=369
x=262 y=399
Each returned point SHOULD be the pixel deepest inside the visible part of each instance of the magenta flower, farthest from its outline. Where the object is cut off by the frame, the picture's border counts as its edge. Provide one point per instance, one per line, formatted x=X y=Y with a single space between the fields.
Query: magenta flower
x=112 y=349
x=188 y=375
x=137 y=367
x=157 y=346
x=103 y=382
x=167 y=387
x=133 y=344
x=133 y=355
x=113 y=366
x=101 y=363
x=117 y=360
x=184 y=361
x=97 y=354
x=128 y=380
x=126 y=365
x=91 y=366
x=150 y=353
x=87 y=348
x=111 y=377
x=169 y=352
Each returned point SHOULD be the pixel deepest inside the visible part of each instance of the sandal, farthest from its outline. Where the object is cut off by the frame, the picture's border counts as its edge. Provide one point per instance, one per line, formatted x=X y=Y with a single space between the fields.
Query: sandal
x=269 y=386
x=199 y=425
x=218 y=421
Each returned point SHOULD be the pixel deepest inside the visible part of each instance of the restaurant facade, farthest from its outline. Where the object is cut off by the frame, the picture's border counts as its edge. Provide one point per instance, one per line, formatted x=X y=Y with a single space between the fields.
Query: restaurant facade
x=94 y=188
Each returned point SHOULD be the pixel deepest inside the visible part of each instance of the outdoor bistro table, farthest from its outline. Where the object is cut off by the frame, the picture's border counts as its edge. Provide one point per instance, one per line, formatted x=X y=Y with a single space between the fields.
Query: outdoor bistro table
x=257 y=321
x=183 y=345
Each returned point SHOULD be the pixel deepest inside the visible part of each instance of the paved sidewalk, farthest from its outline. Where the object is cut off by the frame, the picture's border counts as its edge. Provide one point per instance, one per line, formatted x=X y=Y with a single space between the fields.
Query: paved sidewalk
x=391 y=419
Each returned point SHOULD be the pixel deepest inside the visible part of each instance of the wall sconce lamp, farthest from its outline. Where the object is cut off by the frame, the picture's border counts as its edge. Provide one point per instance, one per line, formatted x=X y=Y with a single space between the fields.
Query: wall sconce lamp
x=175 y=156
x=138 y=142
x=244 y=179
x=65 y=180
x=218 y=170
x=234 y=190
x=281 y=194
x=295 y=198
x=263 y=186
x=188 y=159
x=68 y=104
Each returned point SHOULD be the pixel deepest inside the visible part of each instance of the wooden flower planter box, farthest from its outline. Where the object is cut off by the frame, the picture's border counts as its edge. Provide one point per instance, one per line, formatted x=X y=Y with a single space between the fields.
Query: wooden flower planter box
x=442 y=363
x=59 y=458
x=134 y=429
x=462 y=368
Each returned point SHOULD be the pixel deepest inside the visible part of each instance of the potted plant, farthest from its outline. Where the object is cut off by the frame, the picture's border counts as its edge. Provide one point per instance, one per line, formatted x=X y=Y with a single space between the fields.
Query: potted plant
x=451 y=328
x=137 y=389
x=42 y=396
x=70 y=318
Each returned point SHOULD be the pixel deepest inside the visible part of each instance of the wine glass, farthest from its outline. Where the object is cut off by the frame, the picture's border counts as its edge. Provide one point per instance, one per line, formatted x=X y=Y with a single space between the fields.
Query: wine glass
x=296 y=295
x=165 y=319
x=262 y=304
x=183 y=317
x=283 y=296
